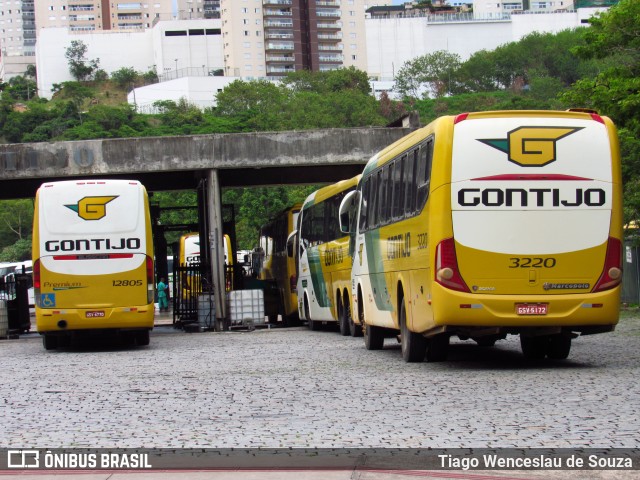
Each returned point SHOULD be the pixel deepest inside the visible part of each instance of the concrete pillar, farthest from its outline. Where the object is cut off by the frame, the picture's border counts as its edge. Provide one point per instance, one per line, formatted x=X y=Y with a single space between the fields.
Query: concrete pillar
x=214 y=199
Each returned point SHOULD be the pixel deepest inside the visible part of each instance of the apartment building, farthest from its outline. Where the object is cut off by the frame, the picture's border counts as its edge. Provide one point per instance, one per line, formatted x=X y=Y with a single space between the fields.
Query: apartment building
x=273 y=37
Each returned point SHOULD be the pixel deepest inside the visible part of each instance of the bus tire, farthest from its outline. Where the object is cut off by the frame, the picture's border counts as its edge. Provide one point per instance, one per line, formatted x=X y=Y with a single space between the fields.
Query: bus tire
x=373 y=337
x=49 y=342
x=343 y=318
x=414 y=345
x=438 y=348
x=534 y=348
x=142 y=337
x=559 y=347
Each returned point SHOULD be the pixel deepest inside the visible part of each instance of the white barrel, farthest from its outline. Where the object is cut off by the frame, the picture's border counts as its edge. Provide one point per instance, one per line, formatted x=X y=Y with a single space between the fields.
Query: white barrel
x=206 y=311
x=4 y=319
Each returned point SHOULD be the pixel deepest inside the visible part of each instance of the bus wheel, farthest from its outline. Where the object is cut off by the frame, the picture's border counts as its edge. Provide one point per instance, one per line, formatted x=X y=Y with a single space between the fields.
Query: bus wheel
x=438 y=348
x=343 y=316
x=559 y=347
x=50 y=342
x=414 y=345
x=142 y=337
x=534 y=348
x=373 y=337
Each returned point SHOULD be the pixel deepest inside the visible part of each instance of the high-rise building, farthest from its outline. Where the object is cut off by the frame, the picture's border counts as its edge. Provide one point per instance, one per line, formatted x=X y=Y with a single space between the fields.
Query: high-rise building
x=20 y=21
x=17 y=37
x=274 y=37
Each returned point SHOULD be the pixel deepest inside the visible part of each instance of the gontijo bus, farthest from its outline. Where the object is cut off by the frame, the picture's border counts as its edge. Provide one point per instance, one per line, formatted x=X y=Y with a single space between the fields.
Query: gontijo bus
x=93 y=260
x=278 y=269
x=487 y=224
x=324 y=262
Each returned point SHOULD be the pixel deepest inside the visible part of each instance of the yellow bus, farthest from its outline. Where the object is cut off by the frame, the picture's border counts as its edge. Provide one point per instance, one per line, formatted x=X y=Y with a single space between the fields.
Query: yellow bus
x=189 y=255
x=487 y=224
x=93 y=265
x=324 y=261
x=278 y=269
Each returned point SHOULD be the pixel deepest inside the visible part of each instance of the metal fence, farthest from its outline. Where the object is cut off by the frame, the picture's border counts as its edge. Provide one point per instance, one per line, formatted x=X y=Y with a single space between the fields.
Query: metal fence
x=631 y=274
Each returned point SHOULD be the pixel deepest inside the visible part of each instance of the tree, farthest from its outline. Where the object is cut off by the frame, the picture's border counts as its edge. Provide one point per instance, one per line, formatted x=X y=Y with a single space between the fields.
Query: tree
x=331 y=81
x=80 y=68
x=614 y=36
x=31 y=71
x=124 y=77
x=16 y=218
x=20 y=88
x=432 y=73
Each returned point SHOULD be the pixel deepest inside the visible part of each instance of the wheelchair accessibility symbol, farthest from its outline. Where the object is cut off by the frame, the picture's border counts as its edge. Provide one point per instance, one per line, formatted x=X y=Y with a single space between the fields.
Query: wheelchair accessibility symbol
x=48 y=300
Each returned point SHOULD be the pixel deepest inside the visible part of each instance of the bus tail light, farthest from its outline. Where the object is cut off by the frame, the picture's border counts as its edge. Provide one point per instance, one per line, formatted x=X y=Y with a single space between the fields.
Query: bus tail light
x=150 y=283
x=612 y=272
x=447 y=273
x=36 y=279
x=293 y=283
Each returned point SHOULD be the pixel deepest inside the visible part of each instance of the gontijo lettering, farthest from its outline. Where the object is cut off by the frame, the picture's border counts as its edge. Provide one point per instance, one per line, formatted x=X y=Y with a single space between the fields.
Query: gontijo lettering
x=92 y=244
x=524 y=197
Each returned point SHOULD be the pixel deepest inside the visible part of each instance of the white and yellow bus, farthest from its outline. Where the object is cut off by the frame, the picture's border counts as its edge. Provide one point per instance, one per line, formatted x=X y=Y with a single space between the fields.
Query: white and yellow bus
x=324 y=261
x=93 y=265
x=189 y=255
x=487 y=224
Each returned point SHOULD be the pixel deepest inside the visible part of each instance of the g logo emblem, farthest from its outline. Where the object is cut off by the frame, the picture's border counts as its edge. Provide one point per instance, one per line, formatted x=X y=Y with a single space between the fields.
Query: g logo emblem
x=92 y=208
x=531 y=146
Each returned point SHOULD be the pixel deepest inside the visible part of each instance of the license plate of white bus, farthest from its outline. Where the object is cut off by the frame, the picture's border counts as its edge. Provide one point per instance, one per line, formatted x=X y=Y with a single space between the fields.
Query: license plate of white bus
x=532 y=308
x=95 y=314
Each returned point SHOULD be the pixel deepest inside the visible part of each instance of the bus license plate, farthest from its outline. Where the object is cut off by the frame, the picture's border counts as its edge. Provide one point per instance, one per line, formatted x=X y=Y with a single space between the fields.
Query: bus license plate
x=532 y=308
x=95 y=314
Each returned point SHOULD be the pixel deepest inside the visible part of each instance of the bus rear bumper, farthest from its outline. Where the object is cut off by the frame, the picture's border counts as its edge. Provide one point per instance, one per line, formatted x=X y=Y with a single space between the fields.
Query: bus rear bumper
x=118 y=318
x=478 y=315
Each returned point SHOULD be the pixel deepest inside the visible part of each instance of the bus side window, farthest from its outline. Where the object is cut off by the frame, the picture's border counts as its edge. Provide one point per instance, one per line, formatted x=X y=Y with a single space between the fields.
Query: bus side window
x=390 y=188
x=364 y=207
x=372 y=219
x=381 y=198
x=397 y=208
x=332 y=206
x=424 y=173
x=410 y=183
x=316 y=215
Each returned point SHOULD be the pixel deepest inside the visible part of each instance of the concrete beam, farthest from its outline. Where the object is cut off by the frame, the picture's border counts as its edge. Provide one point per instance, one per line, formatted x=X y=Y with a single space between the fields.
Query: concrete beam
x=24 y=166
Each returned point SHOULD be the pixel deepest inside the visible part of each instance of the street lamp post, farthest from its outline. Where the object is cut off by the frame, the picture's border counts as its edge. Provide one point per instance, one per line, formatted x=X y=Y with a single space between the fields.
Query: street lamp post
x=176 y=67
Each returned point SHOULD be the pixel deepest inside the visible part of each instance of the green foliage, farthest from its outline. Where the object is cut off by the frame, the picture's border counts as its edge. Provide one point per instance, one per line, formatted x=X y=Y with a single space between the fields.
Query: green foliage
x=20 y=88
x=17 y=252
x=434 y=72
x=614 y=40
x=338 y=98
x=16 y=218
x=254 y=207
x=124 y=77
x=79 y=66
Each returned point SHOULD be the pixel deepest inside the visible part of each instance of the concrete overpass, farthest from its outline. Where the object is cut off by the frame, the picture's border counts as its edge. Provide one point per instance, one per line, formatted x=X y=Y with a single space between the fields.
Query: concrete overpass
x=184 y=162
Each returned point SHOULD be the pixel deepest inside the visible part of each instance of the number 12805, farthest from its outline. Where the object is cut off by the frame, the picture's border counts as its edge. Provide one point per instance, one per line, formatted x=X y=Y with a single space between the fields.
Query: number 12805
x=127 y=283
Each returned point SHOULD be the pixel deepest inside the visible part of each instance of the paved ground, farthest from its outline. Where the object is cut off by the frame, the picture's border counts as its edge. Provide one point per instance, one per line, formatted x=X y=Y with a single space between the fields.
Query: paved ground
x=296 y=388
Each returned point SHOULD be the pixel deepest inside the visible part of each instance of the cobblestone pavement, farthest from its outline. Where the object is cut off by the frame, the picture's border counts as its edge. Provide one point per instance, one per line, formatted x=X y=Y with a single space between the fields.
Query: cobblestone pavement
x=298 y=388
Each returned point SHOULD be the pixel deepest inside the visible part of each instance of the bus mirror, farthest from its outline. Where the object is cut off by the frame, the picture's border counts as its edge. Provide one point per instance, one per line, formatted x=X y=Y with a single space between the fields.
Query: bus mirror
x=291 y=243
x=346 y=209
